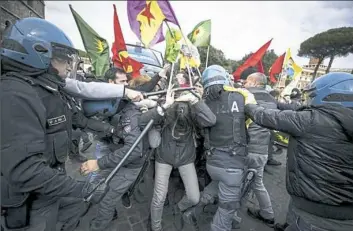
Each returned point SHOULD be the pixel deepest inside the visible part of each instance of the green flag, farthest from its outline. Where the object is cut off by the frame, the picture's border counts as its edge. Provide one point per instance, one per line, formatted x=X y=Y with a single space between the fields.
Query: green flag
x=172 y=47
x=97 y=47
x=201 y=34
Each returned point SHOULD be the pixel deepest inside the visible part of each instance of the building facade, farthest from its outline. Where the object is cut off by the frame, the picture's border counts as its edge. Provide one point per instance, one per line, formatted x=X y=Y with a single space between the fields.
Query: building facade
x=14 y=10
x=308 y=71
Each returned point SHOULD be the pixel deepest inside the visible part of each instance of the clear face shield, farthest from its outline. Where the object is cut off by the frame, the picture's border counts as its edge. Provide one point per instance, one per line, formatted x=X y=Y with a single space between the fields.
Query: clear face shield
x=65 y=60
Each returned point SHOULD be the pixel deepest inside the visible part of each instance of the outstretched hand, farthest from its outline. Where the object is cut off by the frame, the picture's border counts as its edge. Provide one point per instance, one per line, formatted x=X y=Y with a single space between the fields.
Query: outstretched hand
x=169 y=98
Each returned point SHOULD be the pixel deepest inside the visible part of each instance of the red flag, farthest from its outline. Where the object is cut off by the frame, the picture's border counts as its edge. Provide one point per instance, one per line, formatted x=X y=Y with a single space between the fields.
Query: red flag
x=120 y=56
x=252 y=60
x=276 y=68
x=260 y=67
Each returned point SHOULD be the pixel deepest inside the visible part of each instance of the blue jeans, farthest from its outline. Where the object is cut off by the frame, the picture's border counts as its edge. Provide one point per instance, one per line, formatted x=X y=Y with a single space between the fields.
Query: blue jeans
x=162 y=174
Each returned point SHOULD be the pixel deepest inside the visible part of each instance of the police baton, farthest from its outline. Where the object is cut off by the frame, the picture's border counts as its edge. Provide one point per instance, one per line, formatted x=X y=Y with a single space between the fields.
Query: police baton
x=165 y=91
x=106 y=181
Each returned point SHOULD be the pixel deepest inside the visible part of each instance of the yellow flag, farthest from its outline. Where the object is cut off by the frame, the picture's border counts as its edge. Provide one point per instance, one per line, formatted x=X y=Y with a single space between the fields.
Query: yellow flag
x=151 y=19
x=189 y=55
x=292 y=69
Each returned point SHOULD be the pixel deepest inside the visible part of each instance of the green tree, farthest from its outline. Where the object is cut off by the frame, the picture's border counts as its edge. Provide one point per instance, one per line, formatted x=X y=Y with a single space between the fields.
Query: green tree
x=337 y=42
x=215 y=57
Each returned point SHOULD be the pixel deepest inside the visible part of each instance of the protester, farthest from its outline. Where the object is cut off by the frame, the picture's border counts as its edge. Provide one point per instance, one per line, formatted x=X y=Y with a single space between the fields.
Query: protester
x=145 y=83
x=177 y=149
x=258 y=142
x=183 y=79
x=36 y=193
x=320 y=143
x=226 y=144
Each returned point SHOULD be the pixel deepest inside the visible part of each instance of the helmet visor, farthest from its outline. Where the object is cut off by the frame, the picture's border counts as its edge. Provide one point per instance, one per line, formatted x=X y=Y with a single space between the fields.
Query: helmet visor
x=65 y=60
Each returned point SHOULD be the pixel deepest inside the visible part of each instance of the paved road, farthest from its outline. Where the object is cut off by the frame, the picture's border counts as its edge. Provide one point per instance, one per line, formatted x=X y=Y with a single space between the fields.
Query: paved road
x=135 y=218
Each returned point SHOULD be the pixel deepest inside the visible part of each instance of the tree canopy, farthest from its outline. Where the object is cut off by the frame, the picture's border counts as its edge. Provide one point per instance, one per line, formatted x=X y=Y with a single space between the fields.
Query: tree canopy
x=328 y=44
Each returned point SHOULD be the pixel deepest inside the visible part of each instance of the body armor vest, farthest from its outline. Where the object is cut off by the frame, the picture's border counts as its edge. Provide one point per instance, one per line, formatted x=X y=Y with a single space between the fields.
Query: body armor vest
x=229 y=133
x=58 y=128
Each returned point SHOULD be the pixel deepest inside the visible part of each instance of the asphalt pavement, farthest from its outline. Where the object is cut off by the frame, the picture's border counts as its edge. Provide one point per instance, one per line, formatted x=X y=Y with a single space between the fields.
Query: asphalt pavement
x=136 y=218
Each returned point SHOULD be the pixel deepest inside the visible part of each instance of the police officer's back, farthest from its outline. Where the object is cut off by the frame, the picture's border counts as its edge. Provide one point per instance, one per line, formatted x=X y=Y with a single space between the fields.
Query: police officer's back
x=36 y=128
x=226 y=141
x=320 y=153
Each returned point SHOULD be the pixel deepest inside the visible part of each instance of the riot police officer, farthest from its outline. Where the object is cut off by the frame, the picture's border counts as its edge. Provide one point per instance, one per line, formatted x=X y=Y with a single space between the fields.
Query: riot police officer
x=36 y=127
x=319 y=163
x=227 y=143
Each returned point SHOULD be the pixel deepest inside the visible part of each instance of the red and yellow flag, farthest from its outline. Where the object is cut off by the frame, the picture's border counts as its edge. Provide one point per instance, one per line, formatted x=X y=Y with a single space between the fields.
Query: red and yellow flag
x=120 y=55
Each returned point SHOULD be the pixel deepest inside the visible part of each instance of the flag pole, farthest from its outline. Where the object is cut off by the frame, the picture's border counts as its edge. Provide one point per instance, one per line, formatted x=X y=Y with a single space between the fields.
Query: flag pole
x=172 y=69
x=187 y=61
x=208 y=51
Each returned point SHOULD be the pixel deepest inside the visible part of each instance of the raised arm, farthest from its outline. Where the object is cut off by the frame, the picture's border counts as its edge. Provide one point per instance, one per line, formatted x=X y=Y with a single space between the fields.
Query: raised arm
x=294 y=123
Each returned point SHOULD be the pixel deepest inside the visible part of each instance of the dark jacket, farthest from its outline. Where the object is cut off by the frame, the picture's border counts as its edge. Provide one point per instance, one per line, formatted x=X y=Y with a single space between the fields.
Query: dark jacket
x=128 y=131
x=180 y=152
x=260 y=137
x=35 y=134
x=320 y=156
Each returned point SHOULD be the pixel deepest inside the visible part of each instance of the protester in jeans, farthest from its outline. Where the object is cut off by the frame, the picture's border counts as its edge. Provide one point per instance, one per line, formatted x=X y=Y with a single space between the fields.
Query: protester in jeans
x=259 y=140
x=177 y=150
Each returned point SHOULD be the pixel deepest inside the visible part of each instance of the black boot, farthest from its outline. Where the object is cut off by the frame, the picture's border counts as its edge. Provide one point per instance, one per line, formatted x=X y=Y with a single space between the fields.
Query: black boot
x=78 y=157
x=280 y=227
x=255 y=213
x=125 y=200
x=273 y=162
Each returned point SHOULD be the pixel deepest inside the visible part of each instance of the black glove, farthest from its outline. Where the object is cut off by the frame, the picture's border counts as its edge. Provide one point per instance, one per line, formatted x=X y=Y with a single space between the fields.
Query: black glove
x=93 y=194
x=79 y=120
x=100 y=127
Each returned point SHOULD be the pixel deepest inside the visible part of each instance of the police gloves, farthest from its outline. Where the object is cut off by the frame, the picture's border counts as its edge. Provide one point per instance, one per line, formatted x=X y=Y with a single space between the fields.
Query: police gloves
x=79 y=120
x=100 y=127
x=94 y=192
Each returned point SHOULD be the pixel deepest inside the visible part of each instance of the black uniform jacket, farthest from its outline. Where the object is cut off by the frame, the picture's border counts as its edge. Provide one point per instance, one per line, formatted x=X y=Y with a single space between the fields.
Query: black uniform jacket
x=320 y=156
x=26 y=144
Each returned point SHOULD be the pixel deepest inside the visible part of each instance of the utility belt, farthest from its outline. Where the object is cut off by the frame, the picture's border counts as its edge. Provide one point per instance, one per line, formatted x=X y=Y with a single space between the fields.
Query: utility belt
x=235 y=150
x=341 y=212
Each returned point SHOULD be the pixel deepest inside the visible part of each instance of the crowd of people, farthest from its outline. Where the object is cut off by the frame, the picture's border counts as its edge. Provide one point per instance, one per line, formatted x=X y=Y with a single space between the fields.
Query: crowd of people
x=221 y=126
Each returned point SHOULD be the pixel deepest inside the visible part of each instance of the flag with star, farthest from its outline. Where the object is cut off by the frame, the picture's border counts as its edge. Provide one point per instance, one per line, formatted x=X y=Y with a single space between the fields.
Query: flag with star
x=201 y=34
x=120 y=55
x=96 y=47
x=146 y=19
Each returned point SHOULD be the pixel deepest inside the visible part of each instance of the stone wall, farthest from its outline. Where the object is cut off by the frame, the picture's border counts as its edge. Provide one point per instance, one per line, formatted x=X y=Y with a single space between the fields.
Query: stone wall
x=13 y=10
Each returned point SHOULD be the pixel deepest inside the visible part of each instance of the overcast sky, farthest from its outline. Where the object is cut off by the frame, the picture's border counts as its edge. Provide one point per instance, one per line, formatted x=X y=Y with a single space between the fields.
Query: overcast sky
x=237 y=27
